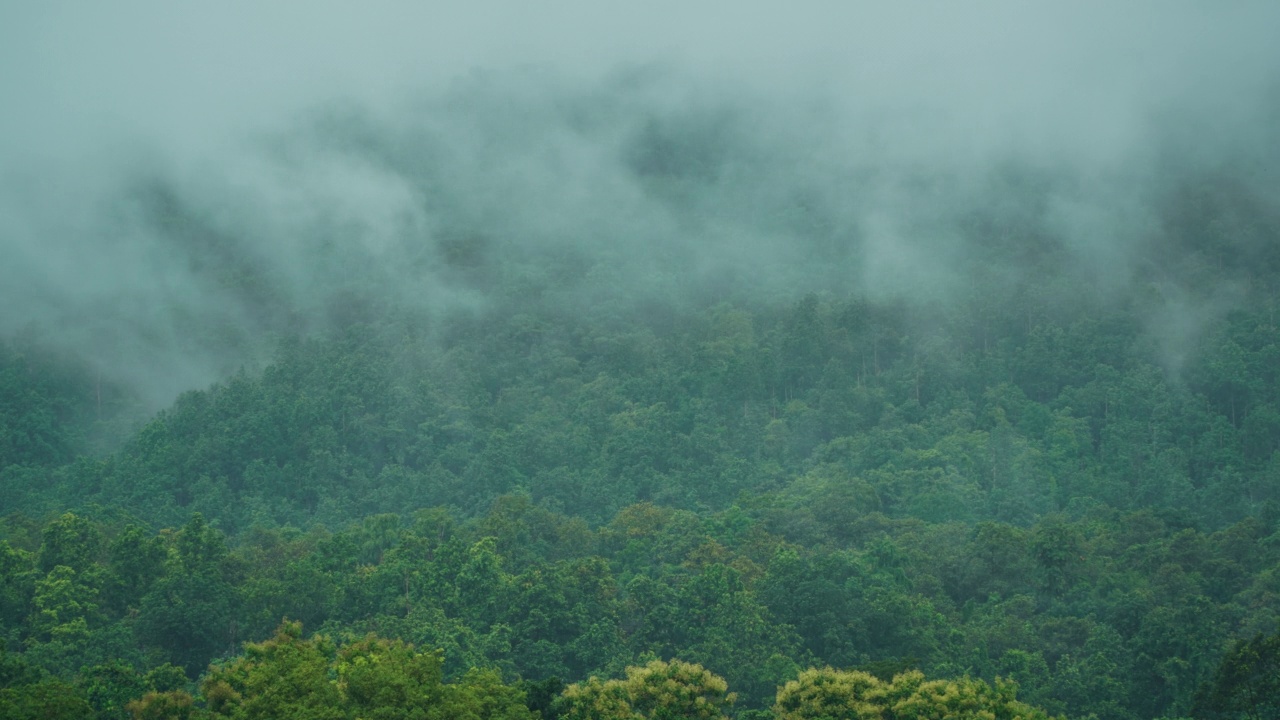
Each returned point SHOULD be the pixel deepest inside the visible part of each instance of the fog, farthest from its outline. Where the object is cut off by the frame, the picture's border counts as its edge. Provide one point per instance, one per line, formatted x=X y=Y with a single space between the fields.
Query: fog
x=181 y=183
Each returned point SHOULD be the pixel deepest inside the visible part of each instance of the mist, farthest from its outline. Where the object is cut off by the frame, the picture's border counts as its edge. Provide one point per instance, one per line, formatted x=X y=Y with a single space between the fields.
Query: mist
x=180 y=186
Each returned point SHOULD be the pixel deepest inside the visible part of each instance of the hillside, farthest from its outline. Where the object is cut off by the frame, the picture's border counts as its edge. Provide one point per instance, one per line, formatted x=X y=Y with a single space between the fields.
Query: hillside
x=652 y=395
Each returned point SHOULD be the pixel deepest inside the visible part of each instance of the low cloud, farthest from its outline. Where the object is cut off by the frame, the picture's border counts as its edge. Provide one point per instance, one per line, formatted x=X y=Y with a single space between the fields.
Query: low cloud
x=180 y=185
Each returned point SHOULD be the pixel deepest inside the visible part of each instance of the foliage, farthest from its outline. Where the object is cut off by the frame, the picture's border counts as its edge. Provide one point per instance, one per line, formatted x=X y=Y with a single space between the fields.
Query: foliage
x=1035 y=479
x=1246 y=683
x=828 y=693
x=288 y=676
x=657 y=691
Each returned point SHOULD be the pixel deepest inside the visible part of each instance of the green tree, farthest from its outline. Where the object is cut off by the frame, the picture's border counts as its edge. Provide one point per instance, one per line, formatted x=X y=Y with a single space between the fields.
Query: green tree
x=110 y=687
x=188 y=612
x=480 y=694
x=72 y=541
x=1246 y=683
x=283 y=678
x=17 y=584
x=45 y=700
x=64 y=606
x=136 y=563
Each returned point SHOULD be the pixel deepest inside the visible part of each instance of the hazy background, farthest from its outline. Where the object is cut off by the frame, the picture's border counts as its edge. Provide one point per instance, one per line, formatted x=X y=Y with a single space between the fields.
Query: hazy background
x=179 y=184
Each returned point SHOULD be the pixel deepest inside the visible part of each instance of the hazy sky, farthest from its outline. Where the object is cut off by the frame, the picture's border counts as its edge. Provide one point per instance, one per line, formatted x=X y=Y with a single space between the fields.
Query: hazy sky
x=99 y=95
x=76 y=74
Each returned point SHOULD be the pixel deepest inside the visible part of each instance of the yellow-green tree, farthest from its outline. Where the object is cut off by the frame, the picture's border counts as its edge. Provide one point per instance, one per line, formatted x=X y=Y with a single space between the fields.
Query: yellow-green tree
x=371 y=679
x=827 y=694
x=169 y=705
x=959 y=699
x=658 y=691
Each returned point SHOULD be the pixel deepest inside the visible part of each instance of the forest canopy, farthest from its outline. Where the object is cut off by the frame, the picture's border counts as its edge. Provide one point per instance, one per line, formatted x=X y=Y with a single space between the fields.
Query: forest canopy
x=663 y=392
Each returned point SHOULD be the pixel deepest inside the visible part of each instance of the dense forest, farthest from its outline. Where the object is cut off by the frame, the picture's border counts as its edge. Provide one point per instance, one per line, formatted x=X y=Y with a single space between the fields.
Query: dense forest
x=693 y=433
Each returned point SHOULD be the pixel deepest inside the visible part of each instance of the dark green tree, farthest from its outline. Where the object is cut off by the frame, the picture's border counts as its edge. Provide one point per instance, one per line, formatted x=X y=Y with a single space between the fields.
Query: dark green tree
x=1246 y=683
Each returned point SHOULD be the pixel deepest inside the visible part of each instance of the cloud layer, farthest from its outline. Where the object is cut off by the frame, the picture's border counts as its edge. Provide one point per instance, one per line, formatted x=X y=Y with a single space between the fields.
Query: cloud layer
x=180 y=183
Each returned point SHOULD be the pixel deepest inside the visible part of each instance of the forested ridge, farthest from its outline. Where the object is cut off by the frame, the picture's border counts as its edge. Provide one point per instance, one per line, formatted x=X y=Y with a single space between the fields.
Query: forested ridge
x=581 y=480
